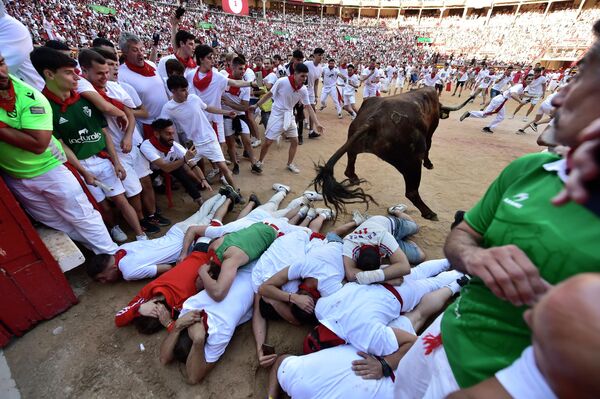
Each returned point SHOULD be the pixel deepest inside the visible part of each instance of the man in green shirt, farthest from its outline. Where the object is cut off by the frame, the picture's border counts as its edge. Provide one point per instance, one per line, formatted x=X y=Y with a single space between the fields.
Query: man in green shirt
x=80 y=127
x=516 y=244
x=31 y=162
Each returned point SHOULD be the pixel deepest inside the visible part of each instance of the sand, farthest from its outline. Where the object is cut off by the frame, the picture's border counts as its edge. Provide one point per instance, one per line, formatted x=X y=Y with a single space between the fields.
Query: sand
x=91 y=358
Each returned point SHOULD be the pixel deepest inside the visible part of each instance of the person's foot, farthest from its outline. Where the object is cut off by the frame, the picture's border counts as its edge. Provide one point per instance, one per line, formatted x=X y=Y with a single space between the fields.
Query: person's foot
x=359 y=218
x=326 y=213
x=293 y=168
x=453 y=94
x=524 y=119
x=464 y=280
x=282 y=187
x=511 y=117
x=212 y=173
x=236 y=169
x=481 y=109
x=256 y=168
x=158 y=219
x=245 y=154
x=487 y=130
x=313 y=135
x=254 y=198
x=397 y=208
x=465 y=116
x=303 y=211
x=520 y=132
x=322 y=107
x=233 y=194
x=459 y=95
x=533 y=126
x=141 y=237
x=117 y=234
x=313 y=195
x=301 y=140
x=340 y=115
x=255 y=143
x=311 y=213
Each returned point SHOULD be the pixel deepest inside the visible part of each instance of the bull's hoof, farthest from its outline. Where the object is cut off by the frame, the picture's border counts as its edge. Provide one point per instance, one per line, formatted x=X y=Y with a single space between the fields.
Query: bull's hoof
x=427 y=163
x=430 y=216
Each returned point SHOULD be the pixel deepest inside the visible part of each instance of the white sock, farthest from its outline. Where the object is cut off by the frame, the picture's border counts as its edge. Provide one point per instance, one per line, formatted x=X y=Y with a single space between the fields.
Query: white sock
x=454 y=287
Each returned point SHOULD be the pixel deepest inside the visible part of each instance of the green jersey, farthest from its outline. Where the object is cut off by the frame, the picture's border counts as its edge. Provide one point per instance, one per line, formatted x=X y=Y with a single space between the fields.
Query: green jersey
x=31 y=112
x=80 y=128
x=483 y=334
x=253 y=240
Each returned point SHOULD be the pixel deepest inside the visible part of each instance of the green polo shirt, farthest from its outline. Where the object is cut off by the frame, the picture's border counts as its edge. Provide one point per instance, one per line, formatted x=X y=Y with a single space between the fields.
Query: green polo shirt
x=80 y=127
x=253 y=240
x=483 y=334
x=32 y=112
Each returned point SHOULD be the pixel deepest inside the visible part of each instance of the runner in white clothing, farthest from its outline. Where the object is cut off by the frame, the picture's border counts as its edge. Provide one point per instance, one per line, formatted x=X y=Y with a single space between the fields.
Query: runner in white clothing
x=461 y=79
x=484 y=80
x=330 y=76
x=349 y=91
x=391 y=73
x=286 y=93
x=184 y=51
x=401 y=74
x=546 y=108
x=371 y=78
x=535 y=90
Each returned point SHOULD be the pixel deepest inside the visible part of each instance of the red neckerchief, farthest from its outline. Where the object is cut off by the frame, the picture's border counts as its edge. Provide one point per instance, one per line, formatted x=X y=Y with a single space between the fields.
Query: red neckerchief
x=432 y=75
x=229 y=71
x=159 y=146
x=343 y=66
x=313 y=292
x=120 y=254
x=147 y=70
x=77 y=71
x=293 y=83
x=190 y=63
x=73 y=98
x=234 y=91
x=202 y=84
x=350 y=74
x=8 y=104
x=112 y=101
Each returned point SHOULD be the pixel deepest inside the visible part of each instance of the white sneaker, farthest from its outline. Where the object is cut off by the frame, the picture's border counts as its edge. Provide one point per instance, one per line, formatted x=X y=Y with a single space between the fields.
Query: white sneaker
x=117 y=234
x=313 y=195
x=395 y=208
x=511 y=117
x=142 y=237
x=359 y=218
x=212 y=173
x=281 y=187
x=224 y=180
x=327 y=213
x=353 y=116
x=256 y=143
x=293 y=168
x=340 y=116
x=303 y=211
x=311 y=214
x=525 y=119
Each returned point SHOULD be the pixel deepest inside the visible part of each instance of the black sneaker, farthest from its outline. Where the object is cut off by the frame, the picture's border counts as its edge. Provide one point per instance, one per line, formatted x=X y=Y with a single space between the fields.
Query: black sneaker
x=464 y=280
x=256 y=169
x=158 y=219
x=148 y=226
x=254 y=198
x=300 y=140
x=245 y=154
x=465 y=116
x=487 y=130
x=236 y=169
x=232 y=194
x=313 y=135
x=238 y=141
x=521 y=131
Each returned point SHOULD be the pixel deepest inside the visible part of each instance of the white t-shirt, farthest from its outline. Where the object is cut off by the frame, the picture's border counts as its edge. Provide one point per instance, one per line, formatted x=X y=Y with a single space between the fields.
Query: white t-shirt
x=390 y=71
x=401 y=73
x=344 y=73
x=324 y=263
x=536 y=86
x=162 y=66
x=116 y=92
x=141 y=260
x=212 y=94
x=150 y=89
x=271 y=78
x=486 y=80
x=285 y=97
x=523 y=379
x=137 y=101
x=359 y=314
x=501 y=81
x=284 y=252
x=189 y=116
x=152 y=154
x=515 y=89
x=463 y=76
x=244 y=95
x=330 y=76
x=370 y=82
x=429 y=81
x=328 y=374
x=371 y=233
x=314 y=73
x=224 y=316
x=349 y=89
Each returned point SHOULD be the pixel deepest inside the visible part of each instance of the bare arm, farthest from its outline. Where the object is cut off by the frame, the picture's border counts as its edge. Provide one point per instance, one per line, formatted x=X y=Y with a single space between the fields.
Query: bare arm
x=191 y=233
x=259 y=328
x=218 y=289
x=162 y=268
x=35 y=141
x=168 y=167
x=126 y=142
x=243 y=106
x=239 y=83
x=110 y=148
x=153 y=53
x=140 y=112
x=166 y=348
x=489 y=389
x=272 y=289
x=313 y=118
x=263 y=100
x=196 y=366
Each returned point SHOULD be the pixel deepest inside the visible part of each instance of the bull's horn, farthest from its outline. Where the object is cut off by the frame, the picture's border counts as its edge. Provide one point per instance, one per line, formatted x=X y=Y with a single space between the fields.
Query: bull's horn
x=450 y=109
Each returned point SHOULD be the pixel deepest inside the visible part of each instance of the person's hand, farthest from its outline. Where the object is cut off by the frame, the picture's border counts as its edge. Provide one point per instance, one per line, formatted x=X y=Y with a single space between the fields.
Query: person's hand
x=368 y=368
x=163 y=315
x=155 y=39
x=204 y=183
x=265 y=360
x=304 y=302
x=122 y=122
x=319 y=128
x=190 y=154
x=188 y=319
x=89 y=178
x=120 y=171
x=585 y=167
x=508 y=273
x=126 y=145
x=231 y=114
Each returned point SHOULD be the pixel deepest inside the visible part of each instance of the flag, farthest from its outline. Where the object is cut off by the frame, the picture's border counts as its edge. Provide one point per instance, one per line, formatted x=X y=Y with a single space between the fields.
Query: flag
x=205 y=25
x=238 y=7
x=102 y=9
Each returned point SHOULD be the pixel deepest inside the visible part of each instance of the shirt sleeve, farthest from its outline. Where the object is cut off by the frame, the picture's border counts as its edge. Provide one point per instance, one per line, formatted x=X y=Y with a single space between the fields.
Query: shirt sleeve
x=36 y=114
x=304 y=94
x=129 y=312
x=201 y=103
x=179 y=150
x=295 y=271
x=149 y=151
x=83 y=85
x=245 y=94
x=276 y=86
x=135 y=272
x=388 y=244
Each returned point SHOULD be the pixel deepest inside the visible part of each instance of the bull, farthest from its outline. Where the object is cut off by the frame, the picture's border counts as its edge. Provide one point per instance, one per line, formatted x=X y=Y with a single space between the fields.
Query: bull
x=398 y=130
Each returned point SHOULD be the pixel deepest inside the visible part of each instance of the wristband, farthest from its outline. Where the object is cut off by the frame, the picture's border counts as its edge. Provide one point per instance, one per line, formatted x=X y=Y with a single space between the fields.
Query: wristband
x=370 y=276
x=386 y=369
x=171 y=326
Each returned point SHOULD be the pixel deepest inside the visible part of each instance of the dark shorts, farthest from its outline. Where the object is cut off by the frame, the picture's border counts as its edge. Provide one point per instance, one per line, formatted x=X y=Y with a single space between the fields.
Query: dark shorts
x=460 y=84
x=494 y=93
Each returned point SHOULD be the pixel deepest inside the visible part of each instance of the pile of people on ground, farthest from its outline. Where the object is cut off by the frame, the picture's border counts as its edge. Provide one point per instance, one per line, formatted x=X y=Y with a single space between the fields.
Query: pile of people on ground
x=99 y=128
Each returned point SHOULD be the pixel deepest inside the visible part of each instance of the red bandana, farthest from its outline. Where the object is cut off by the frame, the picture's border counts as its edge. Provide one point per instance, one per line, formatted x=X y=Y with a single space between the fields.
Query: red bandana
x=432 y=75
x=146 y=70
x=159 y=146
x=313 y=292
x=293 y=83
x=229 y=71
x=234 y=91
x=112 y=101
x=202 y=84
x=343 y=66
x=190 y=63
x=8 y=104
x=120 y=254
x=73 y=98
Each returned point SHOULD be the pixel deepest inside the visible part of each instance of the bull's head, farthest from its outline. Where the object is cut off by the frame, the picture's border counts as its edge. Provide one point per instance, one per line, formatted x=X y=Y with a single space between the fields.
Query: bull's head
x=445 y=111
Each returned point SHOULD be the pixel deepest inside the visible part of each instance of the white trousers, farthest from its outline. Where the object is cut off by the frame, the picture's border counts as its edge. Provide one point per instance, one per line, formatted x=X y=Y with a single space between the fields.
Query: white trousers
x=370 y=91
x=331 y=91
x=497 y=102
x=57 y=200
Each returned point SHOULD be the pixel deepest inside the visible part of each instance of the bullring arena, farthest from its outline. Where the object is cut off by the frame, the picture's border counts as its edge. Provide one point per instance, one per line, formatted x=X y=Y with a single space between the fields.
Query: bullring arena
x=80 y=353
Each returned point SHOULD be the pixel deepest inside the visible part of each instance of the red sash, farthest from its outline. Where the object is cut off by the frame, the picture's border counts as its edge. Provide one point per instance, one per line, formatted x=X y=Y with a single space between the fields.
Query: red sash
x=73 y=98
x=112 y=101
x=391 y=289
x=190 y=63
x=293 y=83
x=8 y=104
x=202 y=84
x=147 y=70
x=86 y=190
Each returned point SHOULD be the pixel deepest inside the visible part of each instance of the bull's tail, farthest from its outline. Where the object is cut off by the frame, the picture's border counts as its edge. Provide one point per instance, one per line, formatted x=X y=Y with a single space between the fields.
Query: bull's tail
x=456 y=108
x=339 y=194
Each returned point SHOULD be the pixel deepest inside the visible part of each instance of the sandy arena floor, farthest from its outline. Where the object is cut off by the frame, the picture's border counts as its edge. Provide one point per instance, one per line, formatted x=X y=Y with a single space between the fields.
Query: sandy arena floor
x=91 y=358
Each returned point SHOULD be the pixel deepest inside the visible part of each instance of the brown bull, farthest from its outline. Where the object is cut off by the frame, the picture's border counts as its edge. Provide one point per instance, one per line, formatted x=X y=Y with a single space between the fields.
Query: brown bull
x=397 y=129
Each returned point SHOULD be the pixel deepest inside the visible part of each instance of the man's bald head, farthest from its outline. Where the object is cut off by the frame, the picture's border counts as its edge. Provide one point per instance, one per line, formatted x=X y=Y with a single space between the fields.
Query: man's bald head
x=566 y=336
